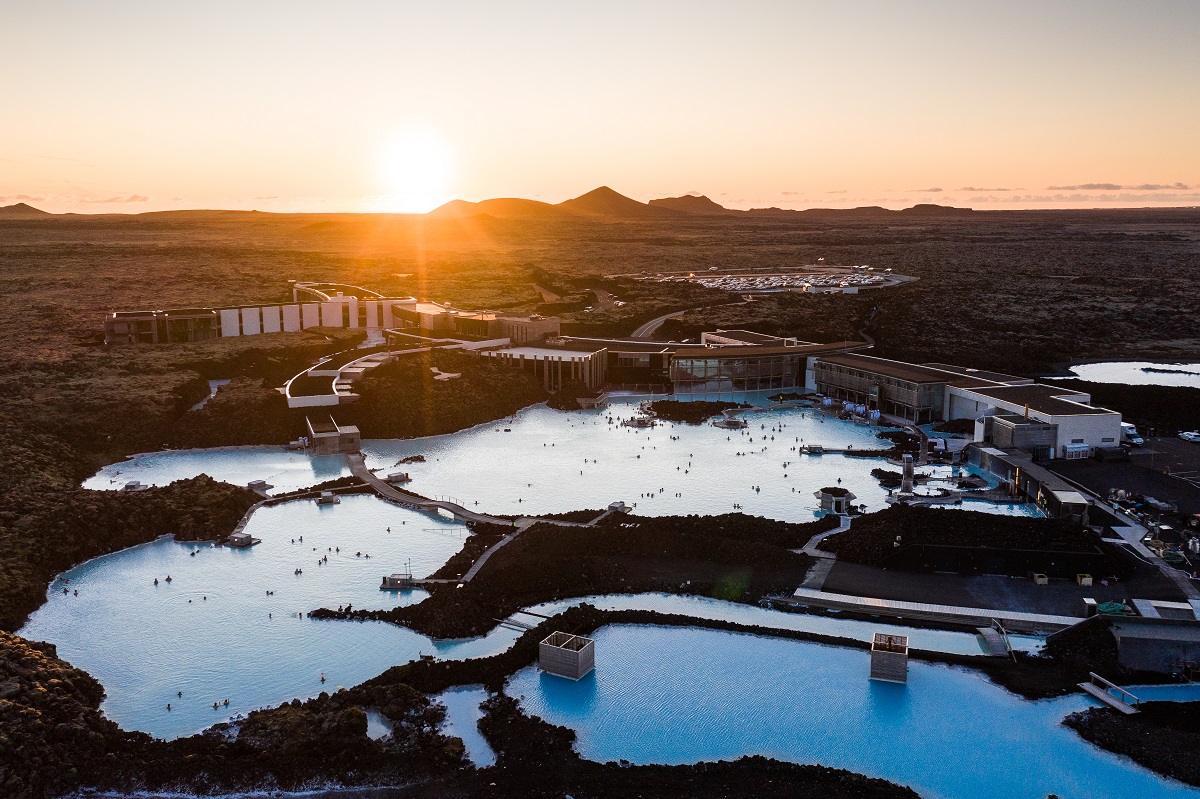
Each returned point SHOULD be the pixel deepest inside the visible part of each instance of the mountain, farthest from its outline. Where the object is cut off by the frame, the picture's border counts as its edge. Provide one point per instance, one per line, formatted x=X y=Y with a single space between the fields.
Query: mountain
x=22 y=211
x=692 y=204
x=606 y=203
x=501 y=208
x=932 y=209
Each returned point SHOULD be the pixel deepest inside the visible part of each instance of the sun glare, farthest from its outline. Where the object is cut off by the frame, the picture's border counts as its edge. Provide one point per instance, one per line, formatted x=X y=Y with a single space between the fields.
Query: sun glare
x=415 y=174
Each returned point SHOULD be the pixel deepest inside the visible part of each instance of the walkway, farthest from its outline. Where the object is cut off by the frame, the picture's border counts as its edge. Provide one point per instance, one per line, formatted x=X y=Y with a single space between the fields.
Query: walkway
x=971 y=617
x=358 y=468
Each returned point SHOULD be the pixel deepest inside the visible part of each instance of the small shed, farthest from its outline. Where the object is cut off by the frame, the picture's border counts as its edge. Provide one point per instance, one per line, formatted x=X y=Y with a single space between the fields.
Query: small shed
x=835 y=499
x=566 y=655
x=397 y=582
x=889 y=658
x=241 y=539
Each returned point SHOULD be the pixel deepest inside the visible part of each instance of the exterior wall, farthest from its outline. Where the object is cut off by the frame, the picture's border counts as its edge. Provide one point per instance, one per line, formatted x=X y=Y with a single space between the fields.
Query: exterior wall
x=1094 y=429
x=352 y=303
x=918 y=402
x=230 y=322
x=270 y=319
x=523 y=330
x=251 y=321
x=554 y=371
x=725 y=375
x=372 y=313
x=331 y=314
x=310 y=315
x=291 y=318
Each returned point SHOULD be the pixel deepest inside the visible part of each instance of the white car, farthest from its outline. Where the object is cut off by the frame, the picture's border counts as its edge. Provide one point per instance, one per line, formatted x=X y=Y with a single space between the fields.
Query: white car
x=1191 y=436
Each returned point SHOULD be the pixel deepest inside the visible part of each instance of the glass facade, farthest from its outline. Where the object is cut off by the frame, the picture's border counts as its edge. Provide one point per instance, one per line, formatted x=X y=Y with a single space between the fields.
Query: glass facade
x=725 y=375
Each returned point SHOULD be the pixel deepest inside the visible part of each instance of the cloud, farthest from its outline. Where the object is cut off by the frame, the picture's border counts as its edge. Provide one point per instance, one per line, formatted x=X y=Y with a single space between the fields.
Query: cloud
x=1119 y=187
x=974 y=188
x=132 y=198
x=267 y=197
x=789 y=193
x=21 y=198
x=836 y=191
x=925 y=191
x=1124 y=197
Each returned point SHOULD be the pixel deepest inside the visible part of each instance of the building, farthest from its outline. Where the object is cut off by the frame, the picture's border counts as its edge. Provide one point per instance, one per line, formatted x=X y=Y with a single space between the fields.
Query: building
x=555 y=365
x=327 y=437
x=313 y=305
x=570 y=656
x=322 y=305
x=1009 y=412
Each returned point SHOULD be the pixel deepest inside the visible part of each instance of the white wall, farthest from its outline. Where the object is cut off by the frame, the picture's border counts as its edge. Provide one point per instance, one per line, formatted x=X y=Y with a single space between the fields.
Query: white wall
x=251 y=321
x=312 y=314
x=230 y=322
x=270 y=319
x=291 y=318
x=331 y=314
x=372 y=313
x=353 y=303
x=1093 y=428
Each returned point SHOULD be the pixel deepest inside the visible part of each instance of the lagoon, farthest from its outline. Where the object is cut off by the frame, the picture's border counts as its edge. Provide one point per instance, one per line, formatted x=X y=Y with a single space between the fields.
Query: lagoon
x=547 y=461
x=948 y=733
x=1140 y=373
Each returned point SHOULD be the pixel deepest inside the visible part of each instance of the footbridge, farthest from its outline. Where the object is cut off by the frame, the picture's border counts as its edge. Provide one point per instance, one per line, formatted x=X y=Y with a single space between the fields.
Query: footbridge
x=358 y=467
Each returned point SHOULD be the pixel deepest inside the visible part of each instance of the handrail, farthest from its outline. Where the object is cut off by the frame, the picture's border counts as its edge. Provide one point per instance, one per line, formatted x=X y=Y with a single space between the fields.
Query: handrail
x=1109 y=685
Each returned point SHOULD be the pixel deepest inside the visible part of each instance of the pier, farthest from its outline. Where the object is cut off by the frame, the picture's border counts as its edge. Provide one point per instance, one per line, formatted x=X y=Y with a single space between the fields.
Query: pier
x=1103 y=689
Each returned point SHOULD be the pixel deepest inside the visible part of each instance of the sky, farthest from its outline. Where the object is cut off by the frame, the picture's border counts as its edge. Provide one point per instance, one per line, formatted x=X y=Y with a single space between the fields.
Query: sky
x=137 y=105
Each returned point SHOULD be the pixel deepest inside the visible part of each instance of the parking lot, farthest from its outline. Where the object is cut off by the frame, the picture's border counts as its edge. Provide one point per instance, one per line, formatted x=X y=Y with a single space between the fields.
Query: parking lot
x=1166 y=468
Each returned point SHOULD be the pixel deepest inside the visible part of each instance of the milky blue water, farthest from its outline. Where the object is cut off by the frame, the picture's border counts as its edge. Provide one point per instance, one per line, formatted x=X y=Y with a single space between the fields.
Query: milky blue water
x=550 y=462
x=214 y=633
x=679 y=695
x=1132 y=373
x=462 y=717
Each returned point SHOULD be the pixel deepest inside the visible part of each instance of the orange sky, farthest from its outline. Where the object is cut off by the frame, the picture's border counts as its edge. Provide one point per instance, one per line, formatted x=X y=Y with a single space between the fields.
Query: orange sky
x=133 y=106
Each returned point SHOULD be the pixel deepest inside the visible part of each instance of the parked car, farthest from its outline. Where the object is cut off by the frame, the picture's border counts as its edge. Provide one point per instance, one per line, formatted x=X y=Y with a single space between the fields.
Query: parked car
x=1192 y=435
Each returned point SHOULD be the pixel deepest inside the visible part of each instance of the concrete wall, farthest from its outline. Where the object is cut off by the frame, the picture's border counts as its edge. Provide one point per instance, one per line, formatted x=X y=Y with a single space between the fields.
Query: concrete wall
x=251 y=321
x=291 y=318
x=270 y=319
x=310 y=315
x=1093 y=428
x=331 y=314
x=230 y=322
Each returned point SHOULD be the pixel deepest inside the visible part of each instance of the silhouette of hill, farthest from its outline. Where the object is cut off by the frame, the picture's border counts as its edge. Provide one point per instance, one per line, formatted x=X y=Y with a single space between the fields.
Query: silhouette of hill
x=22 y=211
x=604 y=202
x=692 y=204
x=501 y=208
x=932 y=209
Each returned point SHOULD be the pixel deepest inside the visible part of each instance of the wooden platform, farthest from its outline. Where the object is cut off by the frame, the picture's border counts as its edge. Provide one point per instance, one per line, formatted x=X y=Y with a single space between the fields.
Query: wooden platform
x=1108 y=699
x=994 y=641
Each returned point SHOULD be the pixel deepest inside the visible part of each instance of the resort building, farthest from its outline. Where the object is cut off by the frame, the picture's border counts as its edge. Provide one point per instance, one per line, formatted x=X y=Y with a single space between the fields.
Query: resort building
x=1009 y=411
x=322 y=305
x=313 y=305
x=555 y=365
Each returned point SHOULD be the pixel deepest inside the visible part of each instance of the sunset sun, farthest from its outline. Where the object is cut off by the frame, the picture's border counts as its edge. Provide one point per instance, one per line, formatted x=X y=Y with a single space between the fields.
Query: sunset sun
x=414 y=173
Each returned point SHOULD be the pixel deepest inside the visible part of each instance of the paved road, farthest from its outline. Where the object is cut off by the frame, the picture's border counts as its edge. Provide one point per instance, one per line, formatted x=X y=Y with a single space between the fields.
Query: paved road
x=647 y=330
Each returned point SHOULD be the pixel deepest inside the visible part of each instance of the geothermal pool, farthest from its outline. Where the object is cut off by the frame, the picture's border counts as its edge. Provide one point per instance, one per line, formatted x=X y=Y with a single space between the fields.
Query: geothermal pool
x=549 y=462
x=215 y=633
x=1140 y=373
x=948 y=733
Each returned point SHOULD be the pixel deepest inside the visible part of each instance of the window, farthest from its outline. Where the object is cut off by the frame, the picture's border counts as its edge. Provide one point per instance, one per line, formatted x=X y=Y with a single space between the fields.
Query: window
x=1107 y=440
x=1080 y=440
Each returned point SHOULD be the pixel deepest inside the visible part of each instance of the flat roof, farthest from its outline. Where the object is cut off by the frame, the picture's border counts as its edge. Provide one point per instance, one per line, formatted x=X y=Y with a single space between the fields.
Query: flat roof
x=981 y=374
x=545 y=352
x=750 y=337
x=897 y=369
x=1046 y=399
x=756 y=350
x=623 y=345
